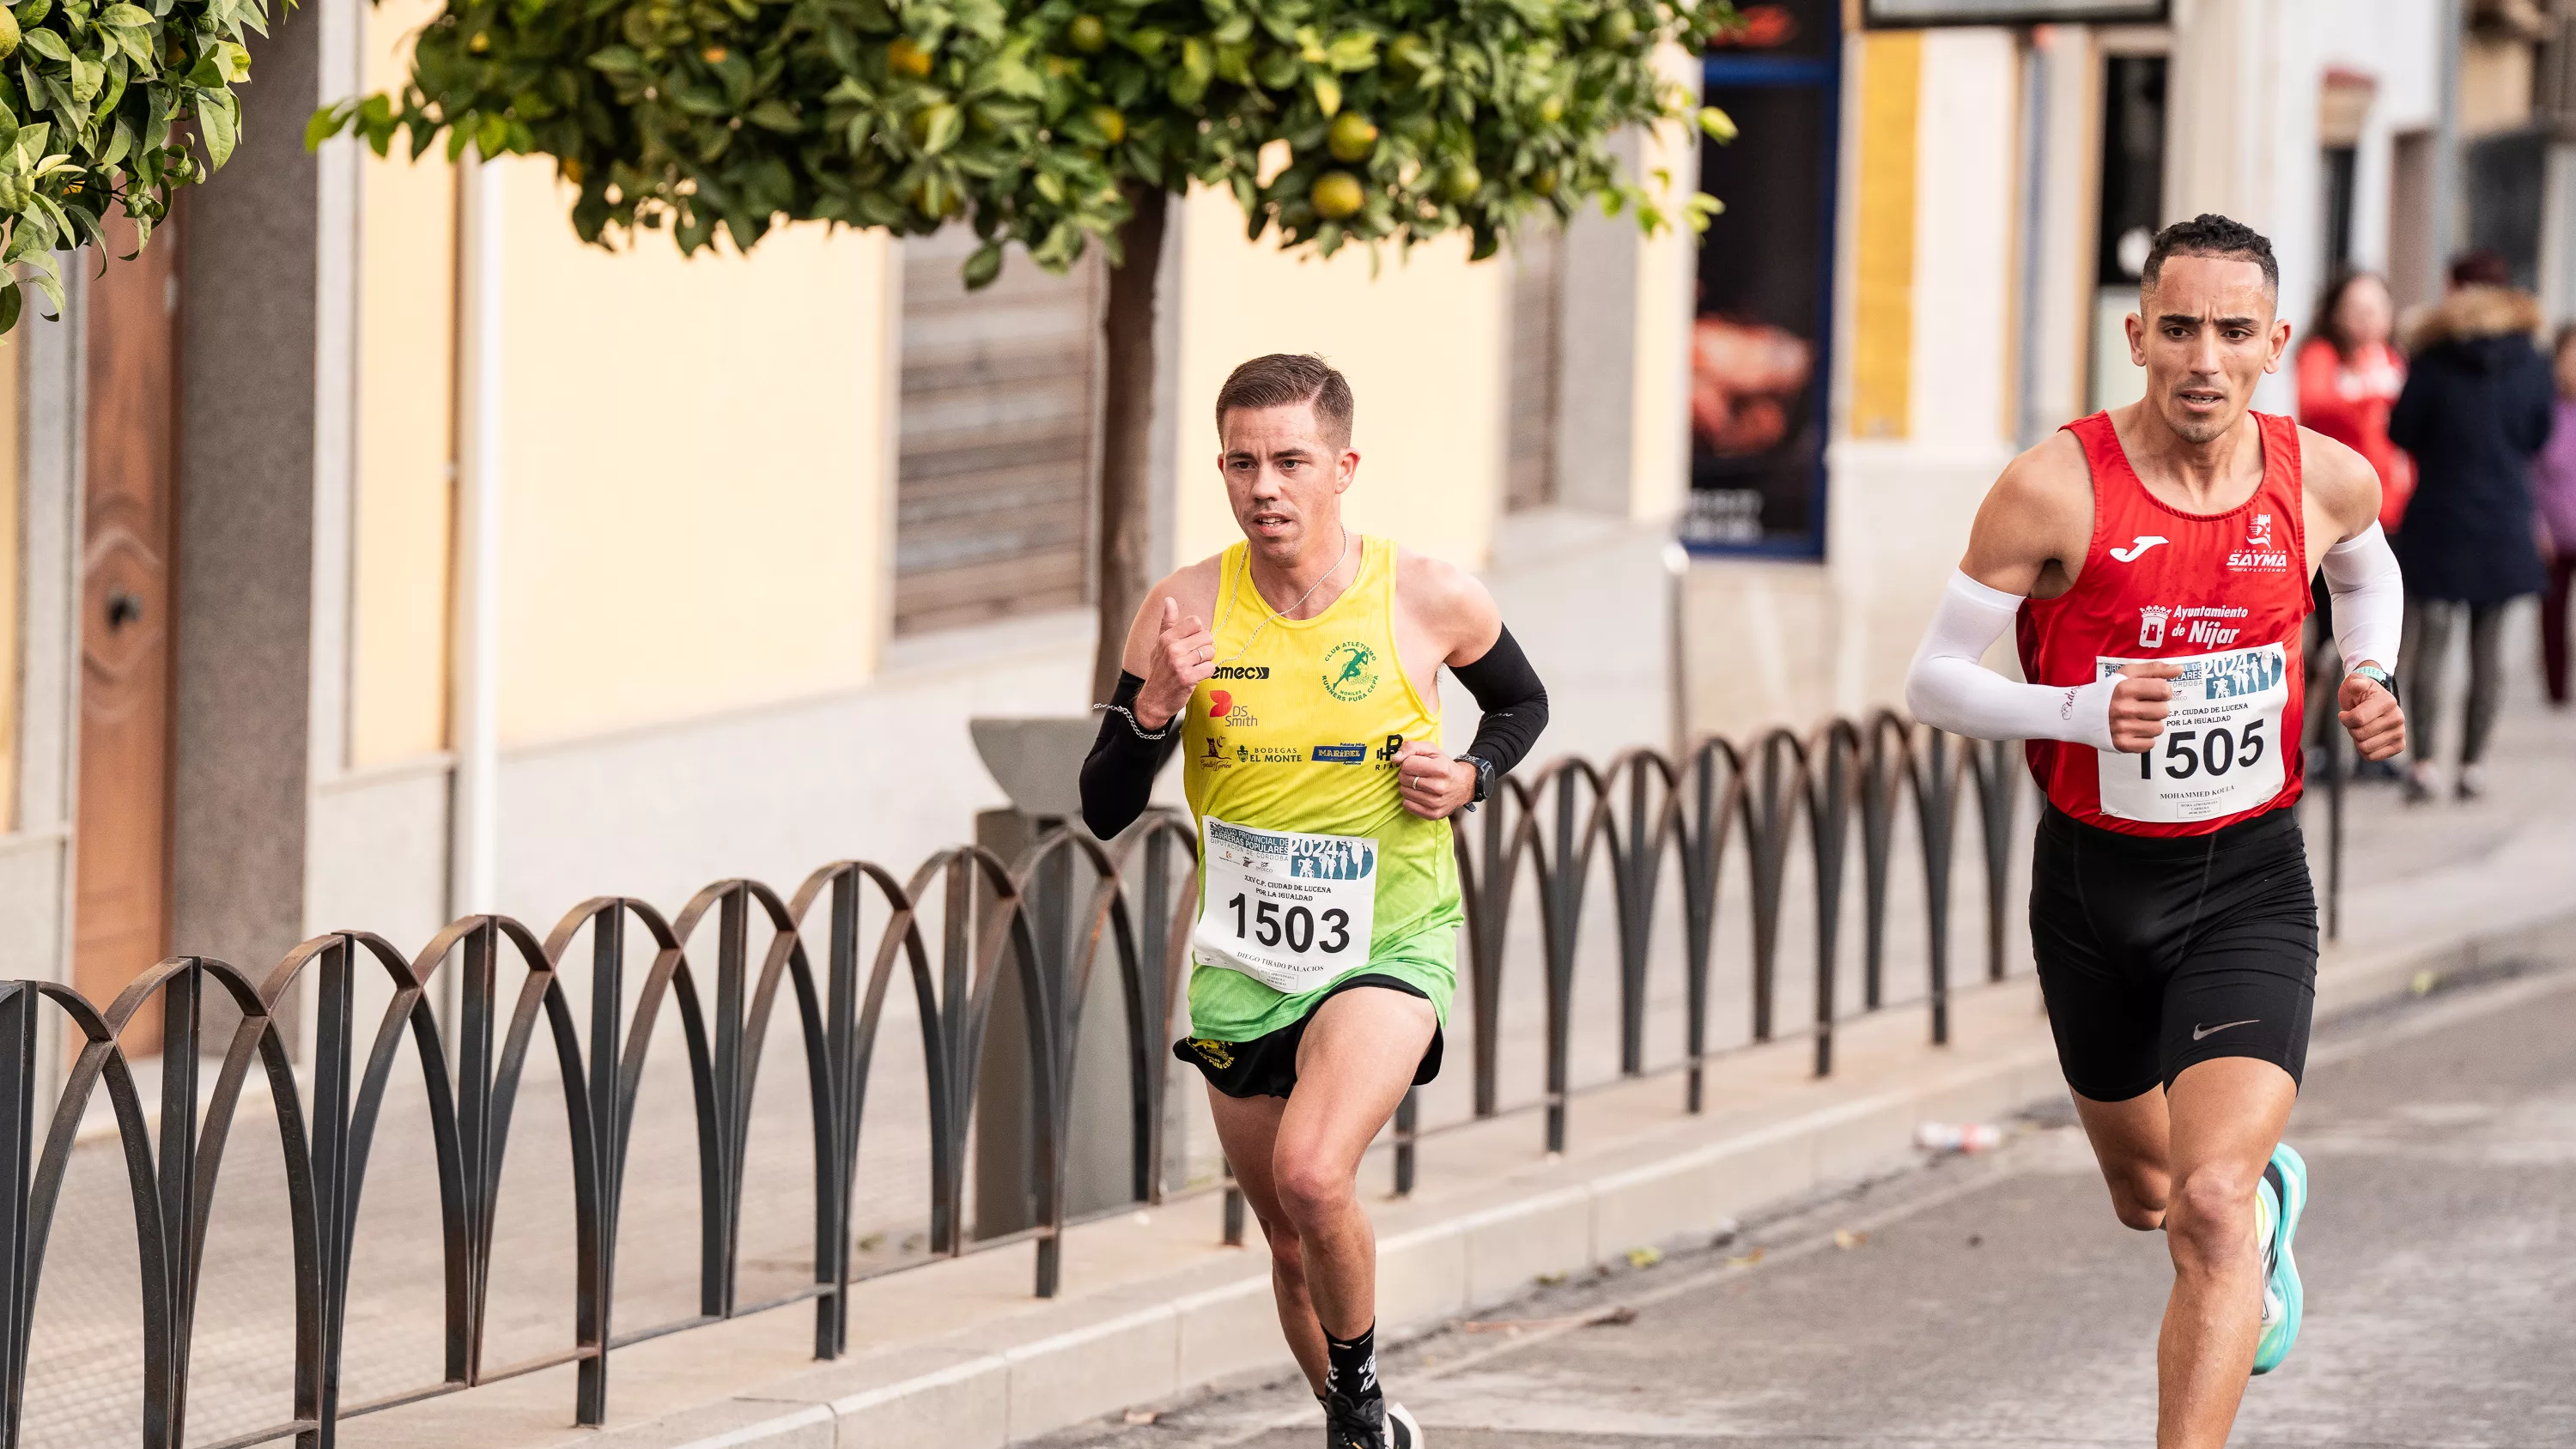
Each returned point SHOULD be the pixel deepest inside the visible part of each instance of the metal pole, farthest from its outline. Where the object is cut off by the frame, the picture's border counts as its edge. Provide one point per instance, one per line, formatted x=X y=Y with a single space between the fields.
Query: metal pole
x=2445 y=228
x=474 y=830
x=1676 y=647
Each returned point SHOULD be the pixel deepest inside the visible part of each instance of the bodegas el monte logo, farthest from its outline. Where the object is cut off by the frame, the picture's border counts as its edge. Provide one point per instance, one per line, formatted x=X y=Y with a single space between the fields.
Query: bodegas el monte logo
x=1350 y=671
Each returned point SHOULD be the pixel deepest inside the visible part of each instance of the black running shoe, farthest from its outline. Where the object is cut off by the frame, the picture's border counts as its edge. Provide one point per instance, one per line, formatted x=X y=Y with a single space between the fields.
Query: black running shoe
x=1375 y=1422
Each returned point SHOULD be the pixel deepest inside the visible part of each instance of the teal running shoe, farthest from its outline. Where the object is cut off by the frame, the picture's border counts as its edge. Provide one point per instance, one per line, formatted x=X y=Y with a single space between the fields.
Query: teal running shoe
x=2281 y=1198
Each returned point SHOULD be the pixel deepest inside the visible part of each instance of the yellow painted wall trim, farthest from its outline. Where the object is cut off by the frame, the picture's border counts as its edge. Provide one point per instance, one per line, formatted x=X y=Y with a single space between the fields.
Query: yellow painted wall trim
x=402 y=525
x=1891 y=76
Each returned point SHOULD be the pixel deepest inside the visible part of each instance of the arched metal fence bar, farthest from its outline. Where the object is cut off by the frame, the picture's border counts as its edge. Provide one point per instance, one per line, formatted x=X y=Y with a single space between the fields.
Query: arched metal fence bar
x=1554 y=824
x=957 y=929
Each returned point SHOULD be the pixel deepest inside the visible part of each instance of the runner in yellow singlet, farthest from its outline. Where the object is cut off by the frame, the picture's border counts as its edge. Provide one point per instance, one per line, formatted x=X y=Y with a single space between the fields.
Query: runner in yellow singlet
x=1296 y=674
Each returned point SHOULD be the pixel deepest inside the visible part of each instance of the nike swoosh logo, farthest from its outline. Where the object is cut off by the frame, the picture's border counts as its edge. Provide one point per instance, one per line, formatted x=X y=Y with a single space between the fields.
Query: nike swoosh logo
x=2138 y=547
x=2198 y=1032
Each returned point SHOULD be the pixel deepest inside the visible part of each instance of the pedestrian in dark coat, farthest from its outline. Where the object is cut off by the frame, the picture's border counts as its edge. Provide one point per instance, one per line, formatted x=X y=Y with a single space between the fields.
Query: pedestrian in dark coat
x=2478 y=403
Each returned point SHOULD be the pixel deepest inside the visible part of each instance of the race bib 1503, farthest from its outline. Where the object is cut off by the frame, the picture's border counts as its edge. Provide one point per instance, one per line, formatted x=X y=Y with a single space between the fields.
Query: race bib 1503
x=2221 y=751
x=1291 y=911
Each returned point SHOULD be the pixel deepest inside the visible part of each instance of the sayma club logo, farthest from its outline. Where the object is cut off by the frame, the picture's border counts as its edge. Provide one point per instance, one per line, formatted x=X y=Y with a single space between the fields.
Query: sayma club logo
x=2259 y=551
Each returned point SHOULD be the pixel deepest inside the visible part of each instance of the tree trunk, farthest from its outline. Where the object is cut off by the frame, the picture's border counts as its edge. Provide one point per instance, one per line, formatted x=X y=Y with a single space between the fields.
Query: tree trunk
x=1127 y=431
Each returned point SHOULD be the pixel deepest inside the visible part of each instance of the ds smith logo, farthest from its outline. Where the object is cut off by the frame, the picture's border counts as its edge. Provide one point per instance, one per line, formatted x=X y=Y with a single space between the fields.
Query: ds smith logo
x=2259 y=551
x=1223 y=710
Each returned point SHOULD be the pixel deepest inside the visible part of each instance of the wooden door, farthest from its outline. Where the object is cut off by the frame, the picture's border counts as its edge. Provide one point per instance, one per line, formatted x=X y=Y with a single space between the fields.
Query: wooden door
x=121 y=909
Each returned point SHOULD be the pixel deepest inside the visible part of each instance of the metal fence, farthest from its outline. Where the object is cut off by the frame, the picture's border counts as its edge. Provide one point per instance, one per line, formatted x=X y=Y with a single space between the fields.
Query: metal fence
x=964 y=923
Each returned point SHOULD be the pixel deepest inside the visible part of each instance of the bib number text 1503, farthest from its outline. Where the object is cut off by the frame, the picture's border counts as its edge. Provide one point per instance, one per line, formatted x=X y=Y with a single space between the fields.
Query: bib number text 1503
x=1270 y=926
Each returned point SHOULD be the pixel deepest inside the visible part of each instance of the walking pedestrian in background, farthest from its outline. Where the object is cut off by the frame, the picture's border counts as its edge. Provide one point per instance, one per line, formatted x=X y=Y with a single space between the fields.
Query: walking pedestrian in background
x=2553 y=486
x=2477 y=405
x=2349 y=377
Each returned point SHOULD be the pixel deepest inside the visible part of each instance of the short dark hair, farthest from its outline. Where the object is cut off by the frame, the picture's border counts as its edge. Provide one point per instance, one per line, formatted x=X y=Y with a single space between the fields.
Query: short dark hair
x=2211 y=235
x=1285 y=379
x=2480 y=269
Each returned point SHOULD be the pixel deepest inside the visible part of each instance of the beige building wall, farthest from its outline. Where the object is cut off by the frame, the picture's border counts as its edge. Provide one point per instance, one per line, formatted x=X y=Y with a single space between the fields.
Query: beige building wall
x=1667 y=285
x=406 y=387
x=1421 y=338
x=693 y=486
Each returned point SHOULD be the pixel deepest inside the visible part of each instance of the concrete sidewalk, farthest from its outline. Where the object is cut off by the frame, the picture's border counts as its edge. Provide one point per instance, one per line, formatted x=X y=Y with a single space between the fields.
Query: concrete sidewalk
x=957 y=1353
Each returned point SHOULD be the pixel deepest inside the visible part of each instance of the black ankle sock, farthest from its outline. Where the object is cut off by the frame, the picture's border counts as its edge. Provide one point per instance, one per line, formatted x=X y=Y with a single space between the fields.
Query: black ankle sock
x=1351 y=1368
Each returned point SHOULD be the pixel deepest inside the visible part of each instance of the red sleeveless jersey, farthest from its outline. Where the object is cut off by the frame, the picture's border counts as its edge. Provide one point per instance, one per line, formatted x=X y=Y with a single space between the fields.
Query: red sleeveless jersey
x=2223 y=596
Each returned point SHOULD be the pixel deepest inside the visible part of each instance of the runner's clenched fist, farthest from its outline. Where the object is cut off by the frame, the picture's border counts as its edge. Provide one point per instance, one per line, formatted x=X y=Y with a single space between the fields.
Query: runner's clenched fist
x=2139 y=704
x=2370 y=713
x=1431 y=784
x=1184 y=654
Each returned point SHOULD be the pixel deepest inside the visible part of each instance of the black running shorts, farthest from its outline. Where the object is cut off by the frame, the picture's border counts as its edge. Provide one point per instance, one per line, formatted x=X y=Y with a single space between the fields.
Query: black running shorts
x=1266 y=1066
x=2158 y=952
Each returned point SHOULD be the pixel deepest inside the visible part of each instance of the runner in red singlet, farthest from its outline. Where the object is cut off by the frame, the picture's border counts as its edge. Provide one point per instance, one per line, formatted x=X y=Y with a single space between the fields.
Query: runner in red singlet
x=2154 y=562
x=2164 y=582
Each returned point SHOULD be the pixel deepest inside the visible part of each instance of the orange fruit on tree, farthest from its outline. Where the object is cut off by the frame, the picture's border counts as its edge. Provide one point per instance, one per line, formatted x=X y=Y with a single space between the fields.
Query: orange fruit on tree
x=1352 y=138
x=1336 y=195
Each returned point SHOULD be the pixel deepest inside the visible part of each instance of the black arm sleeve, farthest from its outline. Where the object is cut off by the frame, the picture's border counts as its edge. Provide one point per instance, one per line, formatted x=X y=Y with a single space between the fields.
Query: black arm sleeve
x=1514 y=702
x=1118 y=776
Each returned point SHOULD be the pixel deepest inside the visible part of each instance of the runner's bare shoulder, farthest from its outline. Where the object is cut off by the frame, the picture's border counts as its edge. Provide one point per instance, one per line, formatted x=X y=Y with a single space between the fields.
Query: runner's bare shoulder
x=1449 y=603
x=1193 y=586
x=2036 y=522
x=2340 y=479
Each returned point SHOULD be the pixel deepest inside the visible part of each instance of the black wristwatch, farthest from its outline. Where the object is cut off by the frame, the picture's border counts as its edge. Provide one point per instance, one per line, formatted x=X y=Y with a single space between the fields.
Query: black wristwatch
x=1484 y=775
x=2380 y=677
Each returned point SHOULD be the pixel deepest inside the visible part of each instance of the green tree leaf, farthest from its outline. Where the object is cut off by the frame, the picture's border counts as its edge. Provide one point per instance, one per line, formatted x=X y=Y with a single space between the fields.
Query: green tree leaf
x=219 y=123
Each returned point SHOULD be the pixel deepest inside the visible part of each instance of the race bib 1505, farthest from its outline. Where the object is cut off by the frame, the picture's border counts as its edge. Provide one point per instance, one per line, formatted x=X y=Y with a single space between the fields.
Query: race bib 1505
x=2221 y=751
x=1291 y=911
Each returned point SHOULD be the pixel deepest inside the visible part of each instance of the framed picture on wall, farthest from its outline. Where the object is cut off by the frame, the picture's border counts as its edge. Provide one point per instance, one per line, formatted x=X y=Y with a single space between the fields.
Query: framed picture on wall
x=1762 y=316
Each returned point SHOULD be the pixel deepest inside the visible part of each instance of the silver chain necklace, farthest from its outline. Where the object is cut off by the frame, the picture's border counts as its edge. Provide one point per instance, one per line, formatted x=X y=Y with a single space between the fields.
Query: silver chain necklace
x=1340 y=559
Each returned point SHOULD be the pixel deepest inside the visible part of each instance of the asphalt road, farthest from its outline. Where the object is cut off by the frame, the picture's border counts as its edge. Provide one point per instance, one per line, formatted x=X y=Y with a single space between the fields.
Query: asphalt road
x=1995 y=1301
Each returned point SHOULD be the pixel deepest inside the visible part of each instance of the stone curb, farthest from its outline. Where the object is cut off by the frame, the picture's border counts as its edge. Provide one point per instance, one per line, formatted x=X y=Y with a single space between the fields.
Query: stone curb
x=1435 y=1272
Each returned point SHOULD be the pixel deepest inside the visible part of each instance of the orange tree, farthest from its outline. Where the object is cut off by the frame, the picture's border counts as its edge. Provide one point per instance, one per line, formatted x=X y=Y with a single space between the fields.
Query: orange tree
x=1058 y=125
x=94 y=105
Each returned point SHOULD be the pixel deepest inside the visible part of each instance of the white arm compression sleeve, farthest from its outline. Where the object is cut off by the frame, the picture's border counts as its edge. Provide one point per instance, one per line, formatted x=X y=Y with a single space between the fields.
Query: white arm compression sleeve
x=2369 y=599
x=1950 y=688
